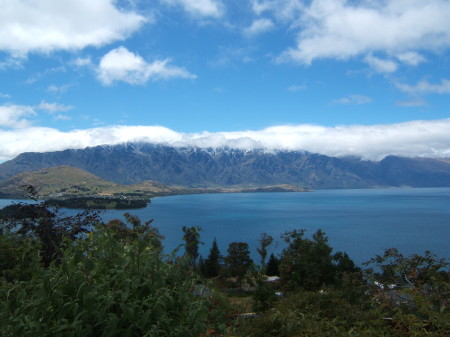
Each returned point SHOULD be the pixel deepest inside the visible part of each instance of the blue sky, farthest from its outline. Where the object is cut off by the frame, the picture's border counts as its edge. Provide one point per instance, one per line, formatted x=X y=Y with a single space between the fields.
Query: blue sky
x=338 y=77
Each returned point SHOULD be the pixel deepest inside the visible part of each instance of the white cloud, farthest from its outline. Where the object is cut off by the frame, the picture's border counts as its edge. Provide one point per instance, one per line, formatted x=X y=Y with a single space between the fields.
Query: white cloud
x=415 y=138
x=353 y=99
x=343 y=29
x=2 y=95
x=14 y=116
x=411 y=58
x=54 y=107
x=380 y=65
x=205 y=8
x=258 y=26
x=62 y=89
x=61 y=117
x=283 y=10
x=12 y=62
x=424 y=87
x=82 y=62
x=122 y=65
x=46 y=25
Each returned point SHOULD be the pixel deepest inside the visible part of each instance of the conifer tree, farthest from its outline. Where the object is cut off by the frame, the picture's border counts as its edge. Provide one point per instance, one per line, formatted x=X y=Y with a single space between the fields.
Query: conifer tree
x=272 y=266
x=213 y=263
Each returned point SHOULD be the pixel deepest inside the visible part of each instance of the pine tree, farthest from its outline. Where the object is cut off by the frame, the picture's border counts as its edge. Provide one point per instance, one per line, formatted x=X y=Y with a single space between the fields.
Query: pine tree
x=213 y=263
x=272 y=266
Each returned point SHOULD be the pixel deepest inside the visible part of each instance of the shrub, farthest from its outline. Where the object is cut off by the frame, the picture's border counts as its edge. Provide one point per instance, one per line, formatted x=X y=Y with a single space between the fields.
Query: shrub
x=106 y=287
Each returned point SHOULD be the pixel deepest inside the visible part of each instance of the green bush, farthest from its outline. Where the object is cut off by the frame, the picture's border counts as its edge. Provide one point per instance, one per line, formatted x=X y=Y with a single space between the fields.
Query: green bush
x=105 y=287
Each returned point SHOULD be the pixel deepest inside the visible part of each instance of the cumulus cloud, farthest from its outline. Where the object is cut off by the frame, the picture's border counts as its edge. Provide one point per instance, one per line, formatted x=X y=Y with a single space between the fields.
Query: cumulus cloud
x=122 y=65
x=411 y=58
x=425 y=87
x=415 y=138
x=46 y=26
x=258 y=26
x=15 y=116
x=381 y=65
x=203 y=8
x=344 y=29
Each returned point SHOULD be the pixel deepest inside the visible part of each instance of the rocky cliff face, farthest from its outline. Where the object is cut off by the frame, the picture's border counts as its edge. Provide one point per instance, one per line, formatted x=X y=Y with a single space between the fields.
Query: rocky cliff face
x=195 y=167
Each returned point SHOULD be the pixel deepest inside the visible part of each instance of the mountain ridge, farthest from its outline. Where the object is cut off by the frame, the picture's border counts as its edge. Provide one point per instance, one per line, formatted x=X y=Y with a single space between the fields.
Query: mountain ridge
x=195 y=167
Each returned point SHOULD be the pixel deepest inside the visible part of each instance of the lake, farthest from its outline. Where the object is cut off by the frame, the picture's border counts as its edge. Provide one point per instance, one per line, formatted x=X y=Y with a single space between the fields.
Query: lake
x=361 y=222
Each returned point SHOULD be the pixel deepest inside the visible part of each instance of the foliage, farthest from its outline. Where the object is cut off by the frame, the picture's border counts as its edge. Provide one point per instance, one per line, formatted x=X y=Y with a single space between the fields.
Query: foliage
x=306 y=263
x=412 y=291
x=98 y=202
x=133 y=229
x=106 y=287
x=116 y=281
x=213 y=263
x=48 y=226
x=323 y=313
x=264 y=241
x=272 y=266
x=191 y=239
x=264 y=295
x=18 y=257
x=238 y=260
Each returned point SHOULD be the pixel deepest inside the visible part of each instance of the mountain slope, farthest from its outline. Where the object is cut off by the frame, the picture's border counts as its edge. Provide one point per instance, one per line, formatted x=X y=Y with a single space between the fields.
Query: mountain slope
x=195 y=167
x=66 y=181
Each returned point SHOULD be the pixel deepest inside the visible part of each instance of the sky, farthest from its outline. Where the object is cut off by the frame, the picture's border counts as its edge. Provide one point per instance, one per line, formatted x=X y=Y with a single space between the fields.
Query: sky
x=365 y=78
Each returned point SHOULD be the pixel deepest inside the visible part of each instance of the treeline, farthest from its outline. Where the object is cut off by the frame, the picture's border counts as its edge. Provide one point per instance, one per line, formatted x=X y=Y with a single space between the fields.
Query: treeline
x=95 y=202
x=79 y=276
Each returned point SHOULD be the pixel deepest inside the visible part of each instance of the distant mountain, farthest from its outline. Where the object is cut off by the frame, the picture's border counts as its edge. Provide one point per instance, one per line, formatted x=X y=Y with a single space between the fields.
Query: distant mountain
x=213 y=167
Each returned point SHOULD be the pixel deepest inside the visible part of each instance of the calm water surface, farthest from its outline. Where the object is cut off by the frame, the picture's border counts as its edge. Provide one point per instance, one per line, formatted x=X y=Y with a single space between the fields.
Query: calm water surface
x=361 y=222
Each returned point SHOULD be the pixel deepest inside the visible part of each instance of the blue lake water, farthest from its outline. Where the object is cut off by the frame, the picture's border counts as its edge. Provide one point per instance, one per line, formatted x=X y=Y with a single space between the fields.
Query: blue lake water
x=361 y=222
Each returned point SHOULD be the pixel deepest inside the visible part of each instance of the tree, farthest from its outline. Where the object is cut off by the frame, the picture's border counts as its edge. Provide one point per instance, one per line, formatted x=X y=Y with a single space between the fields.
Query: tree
x=306 y=263
x=423 y=276
x=238 y=260
x=264 y=241
x=191 y=238
x=38 y=220
x=213 y=263
x=134 y=229
x=343 y=264
x=272 y=266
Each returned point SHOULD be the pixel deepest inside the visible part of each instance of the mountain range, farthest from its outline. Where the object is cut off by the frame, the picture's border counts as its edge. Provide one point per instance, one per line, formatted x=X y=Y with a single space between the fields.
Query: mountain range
x=194 y=167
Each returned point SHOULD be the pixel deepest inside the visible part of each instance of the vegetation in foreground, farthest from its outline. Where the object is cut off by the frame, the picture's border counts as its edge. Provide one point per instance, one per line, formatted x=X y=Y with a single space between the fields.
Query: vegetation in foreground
x=77 y=276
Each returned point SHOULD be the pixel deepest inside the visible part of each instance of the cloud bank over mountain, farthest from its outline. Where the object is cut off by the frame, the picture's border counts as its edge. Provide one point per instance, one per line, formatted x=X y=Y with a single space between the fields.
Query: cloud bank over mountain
x=374 y=142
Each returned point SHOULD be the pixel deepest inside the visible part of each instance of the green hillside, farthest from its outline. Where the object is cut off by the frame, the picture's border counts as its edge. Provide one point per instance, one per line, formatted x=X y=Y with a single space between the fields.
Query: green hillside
x=66 y=181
